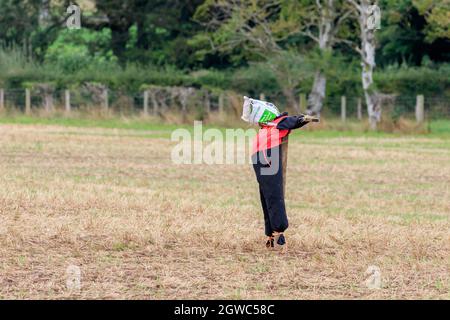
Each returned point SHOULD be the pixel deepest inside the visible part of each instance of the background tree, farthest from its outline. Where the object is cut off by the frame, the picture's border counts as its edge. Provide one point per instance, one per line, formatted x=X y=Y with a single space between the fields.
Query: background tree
x=30 y=24
x=366 y=49
x=320 y=21
x=121 y=16
x=248 y=25
x=257 y=28
x=290 y=70
x=437 y=14
x=405 y=35
x=242 y=45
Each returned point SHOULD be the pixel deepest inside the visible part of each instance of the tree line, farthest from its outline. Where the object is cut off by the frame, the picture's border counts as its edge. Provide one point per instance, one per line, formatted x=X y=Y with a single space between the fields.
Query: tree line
x=293 y=42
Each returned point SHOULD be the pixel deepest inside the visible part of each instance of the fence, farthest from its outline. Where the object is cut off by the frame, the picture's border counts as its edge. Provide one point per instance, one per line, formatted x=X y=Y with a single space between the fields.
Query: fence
x=183 y=100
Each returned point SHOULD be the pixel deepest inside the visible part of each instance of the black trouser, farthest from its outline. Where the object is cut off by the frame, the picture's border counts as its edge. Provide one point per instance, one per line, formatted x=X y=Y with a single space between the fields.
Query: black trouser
x=271 y=190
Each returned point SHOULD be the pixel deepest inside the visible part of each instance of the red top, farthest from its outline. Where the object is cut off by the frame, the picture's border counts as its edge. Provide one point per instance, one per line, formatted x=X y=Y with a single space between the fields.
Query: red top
x=269 y=136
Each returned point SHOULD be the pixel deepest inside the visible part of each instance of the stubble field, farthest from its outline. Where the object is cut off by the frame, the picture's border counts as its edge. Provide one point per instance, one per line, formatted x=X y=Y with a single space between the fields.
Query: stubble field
x=140 y=227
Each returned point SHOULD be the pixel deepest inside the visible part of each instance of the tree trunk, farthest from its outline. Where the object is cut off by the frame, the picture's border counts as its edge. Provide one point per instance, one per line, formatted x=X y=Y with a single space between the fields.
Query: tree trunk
x=48 y=101
x=44 y=13
x=291 y=99
x=373 y=108
x=317 y=95
x=368 y=46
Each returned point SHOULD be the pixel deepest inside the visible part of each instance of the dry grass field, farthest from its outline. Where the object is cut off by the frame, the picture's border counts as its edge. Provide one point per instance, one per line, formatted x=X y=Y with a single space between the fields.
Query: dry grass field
x=139 y=227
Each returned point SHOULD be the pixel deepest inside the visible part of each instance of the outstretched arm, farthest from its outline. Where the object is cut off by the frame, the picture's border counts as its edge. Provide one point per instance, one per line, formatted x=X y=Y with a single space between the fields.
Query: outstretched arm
x=293 y=122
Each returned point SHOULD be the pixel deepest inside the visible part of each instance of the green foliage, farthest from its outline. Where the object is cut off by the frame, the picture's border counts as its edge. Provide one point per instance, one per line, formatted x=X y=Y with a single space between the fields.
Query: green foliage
x=413 y=29
x=344 y=78
x=290 y=70
x=77 y=49
x=212 y=79
x=415 y=80
x=437 y=13
x=16 y=68
x=196 y=43
x=13 y=59
x=18 y=19
x=256 y=79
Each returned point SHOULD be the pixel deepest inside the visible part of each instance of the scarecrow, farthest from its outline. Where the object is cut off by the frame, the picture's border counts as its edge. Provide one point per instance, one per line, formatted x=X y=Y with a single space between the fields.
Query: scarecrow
x=269 y=158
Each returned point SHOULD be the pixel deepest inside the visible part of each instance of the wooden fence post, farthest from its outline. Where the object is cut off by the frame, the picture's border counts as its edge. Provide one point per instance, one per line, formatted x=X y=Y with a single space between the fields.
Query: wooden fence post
x=359 y=109
x=221 y=102
x=154 y=103
x=146 y=102
x=2 y=99
x=207 y=103
x=302 y=102
x=284 y=158
x=343 y=108
x=184 y=99
x=27 y=101
x=48 y=101
x=184 y=110
x=420 y=108
x=106 y=102
x=67 y=101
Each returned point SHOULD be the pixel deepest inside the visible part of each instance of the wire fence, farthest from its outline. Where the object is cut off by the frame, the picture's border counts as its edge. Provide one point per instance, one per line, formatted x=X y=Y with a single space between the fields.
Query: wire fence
x=157 y=100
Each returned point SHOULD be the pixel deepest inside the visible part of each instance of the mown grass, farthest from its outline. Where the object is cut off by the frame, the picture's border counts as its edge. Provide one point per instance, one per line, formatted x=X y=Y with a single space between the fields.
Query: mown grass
x=437 y=128
x=111 y=202
x=108 y=123
x=440 y=126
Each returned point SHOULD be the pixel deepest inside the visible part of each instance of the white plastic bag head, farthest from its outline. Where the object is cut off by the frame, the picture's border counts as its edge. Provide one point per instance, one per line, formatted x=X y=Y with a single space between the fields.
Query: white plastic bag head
x=257 y=111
